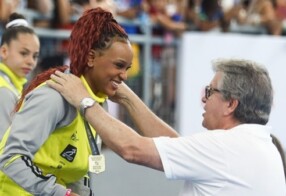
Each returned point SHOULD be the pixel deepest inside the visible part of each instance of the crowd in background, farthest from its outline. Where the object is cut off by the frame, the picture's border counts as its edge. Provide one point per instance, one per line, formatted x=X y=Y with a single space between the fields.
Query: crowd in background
x=173 y=15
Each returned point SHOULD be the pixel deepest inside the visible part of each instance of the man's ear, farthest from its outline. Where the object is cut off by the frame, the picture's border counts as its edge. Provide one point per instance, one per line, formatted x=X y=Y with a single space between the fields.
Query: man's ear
x=232 y=105
x=91 y=57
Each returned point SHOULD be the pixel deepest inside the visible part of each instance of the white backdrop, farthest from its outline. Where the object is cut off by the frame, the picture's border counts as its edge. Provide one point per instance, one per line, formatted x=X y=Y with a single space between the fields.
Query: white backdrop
x=195 y=72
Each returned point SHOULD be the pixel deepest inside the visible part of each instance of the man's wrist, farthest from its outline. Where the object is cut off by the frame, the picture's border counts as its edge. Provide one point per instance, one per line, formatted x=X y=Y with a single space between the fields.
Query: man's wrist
x=85 y=103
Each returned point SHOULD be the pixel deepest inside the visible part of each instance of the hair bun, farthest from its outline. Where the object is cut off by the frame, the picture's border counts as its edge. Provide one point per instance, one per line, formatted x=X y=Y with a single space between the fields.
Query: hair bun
x=16 y=20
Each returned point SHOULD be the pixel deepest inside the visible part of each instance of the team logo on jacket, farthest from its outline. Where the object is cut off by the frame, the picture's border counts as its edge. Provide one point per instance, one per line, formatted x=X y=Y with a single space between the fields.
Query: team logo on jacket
x=69 y=153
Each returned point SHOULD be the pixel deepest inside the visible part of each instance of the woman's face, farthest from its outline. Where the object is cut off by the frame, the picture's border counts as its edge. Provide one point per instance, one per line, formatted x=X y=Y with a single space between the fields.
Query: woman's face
x=106 y=70
x=21 y=54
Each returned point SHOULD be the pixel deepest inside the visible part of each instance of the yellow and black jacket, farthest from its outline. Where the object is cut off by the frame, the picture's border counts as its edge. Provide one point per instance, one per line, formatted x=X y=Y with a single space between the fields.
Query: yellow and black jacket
x=10 y=88
x=46 y=148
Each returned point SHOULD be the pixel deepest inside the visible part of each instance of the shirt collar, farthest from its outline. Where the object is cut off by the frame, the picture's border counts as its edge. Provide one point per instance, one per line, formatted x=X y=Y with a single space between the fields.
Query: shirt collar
x=100 y=98
x=17 y=81
x=255 y=129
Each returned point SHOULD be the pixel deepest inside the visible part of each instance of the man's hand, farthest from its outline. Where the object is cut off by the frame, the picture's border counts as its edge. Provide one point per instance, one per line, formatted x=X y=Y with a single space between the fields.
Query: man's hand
x=119 y=95
x=122 y=95
x=70 y=87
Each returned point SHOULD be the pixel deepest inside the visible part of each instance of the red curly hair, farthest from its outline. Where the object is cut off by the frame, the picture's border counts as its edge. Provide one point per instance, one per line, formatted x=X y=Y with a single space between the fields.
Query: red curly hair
x=95 y=29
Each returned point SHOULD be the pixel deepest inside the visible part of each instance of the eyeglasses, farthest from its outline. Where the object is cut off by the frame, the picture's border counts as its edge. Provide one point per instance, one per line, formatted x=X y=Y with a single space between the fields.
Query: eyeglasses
x=209 y=91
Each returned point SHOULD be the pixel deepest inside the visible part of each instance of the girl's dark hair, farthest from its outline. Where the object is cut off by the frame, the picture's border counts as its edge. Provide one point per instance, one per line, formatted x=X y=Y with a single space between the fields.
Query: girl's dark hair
x=12 y=32
x=95 y=29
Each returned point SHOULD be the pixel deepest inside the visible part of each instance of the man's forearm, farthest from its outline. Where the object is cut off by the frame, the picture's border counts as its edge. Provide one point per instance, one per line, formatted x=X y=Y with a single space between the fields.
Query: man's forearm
x=122 y=139
x=146 y=121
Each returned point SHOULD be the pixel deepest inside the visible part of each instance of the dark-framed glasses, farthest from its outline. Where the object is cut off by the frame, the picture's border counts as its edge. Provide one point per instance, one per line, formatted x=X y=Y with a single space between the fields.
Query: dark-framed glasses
x=209 y=91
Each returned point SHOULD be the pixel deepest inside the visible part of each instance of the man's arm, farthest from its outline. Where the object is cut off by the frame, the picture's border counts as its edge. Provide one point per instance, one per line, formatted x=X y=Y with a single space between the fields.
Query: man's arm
x=123 y=140
x=119 y=137
x=147 y=122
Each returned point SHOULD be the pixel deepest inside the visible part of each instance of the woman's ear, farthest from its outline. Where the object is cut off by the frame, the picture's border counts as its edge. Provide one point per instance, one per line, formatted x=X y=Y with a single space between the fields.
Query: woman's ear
x=91 y=58
x=4 y=51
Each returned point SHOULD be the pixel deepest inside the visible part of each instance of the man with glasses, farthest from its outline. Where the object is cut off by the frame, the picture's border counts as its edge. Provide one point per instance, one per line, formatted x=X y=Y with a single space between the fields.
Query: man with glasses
x=235 y=157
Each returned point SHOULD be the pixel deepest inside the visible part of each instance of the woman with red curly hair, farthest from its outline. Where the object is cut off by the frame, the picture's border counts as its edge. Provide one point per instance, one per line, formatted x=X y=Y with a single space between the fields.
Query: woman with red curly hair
x=48 y=148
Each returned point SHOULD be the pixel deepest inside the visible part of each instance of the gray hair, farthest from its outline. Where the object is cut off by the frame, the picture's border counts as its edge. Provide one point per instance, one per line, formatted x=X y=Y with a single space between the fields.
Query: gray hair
x=250 y=84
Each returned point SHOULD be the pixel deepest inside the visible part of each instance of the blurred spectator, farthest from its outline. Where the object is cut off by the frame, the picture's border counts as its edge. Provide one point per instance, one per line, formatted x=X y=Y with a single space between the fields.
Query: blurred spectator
x=44 y=9
x=280 y=10
x=62 y=15
x=104 y=4
x=66 y=12
x=166 y=15
x=209 y=15
x=129 y=9
x=260 y=13
x=181 y=7
x=205 y=15
x=7 y=7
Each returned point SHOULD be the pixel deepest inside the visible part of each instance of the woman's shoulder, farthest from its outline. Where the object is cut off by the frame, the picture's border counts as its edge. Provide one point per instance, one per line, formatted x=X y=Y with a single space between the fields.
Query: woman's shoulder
x=47 y=101
x=45 y=92
x=47 y=97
